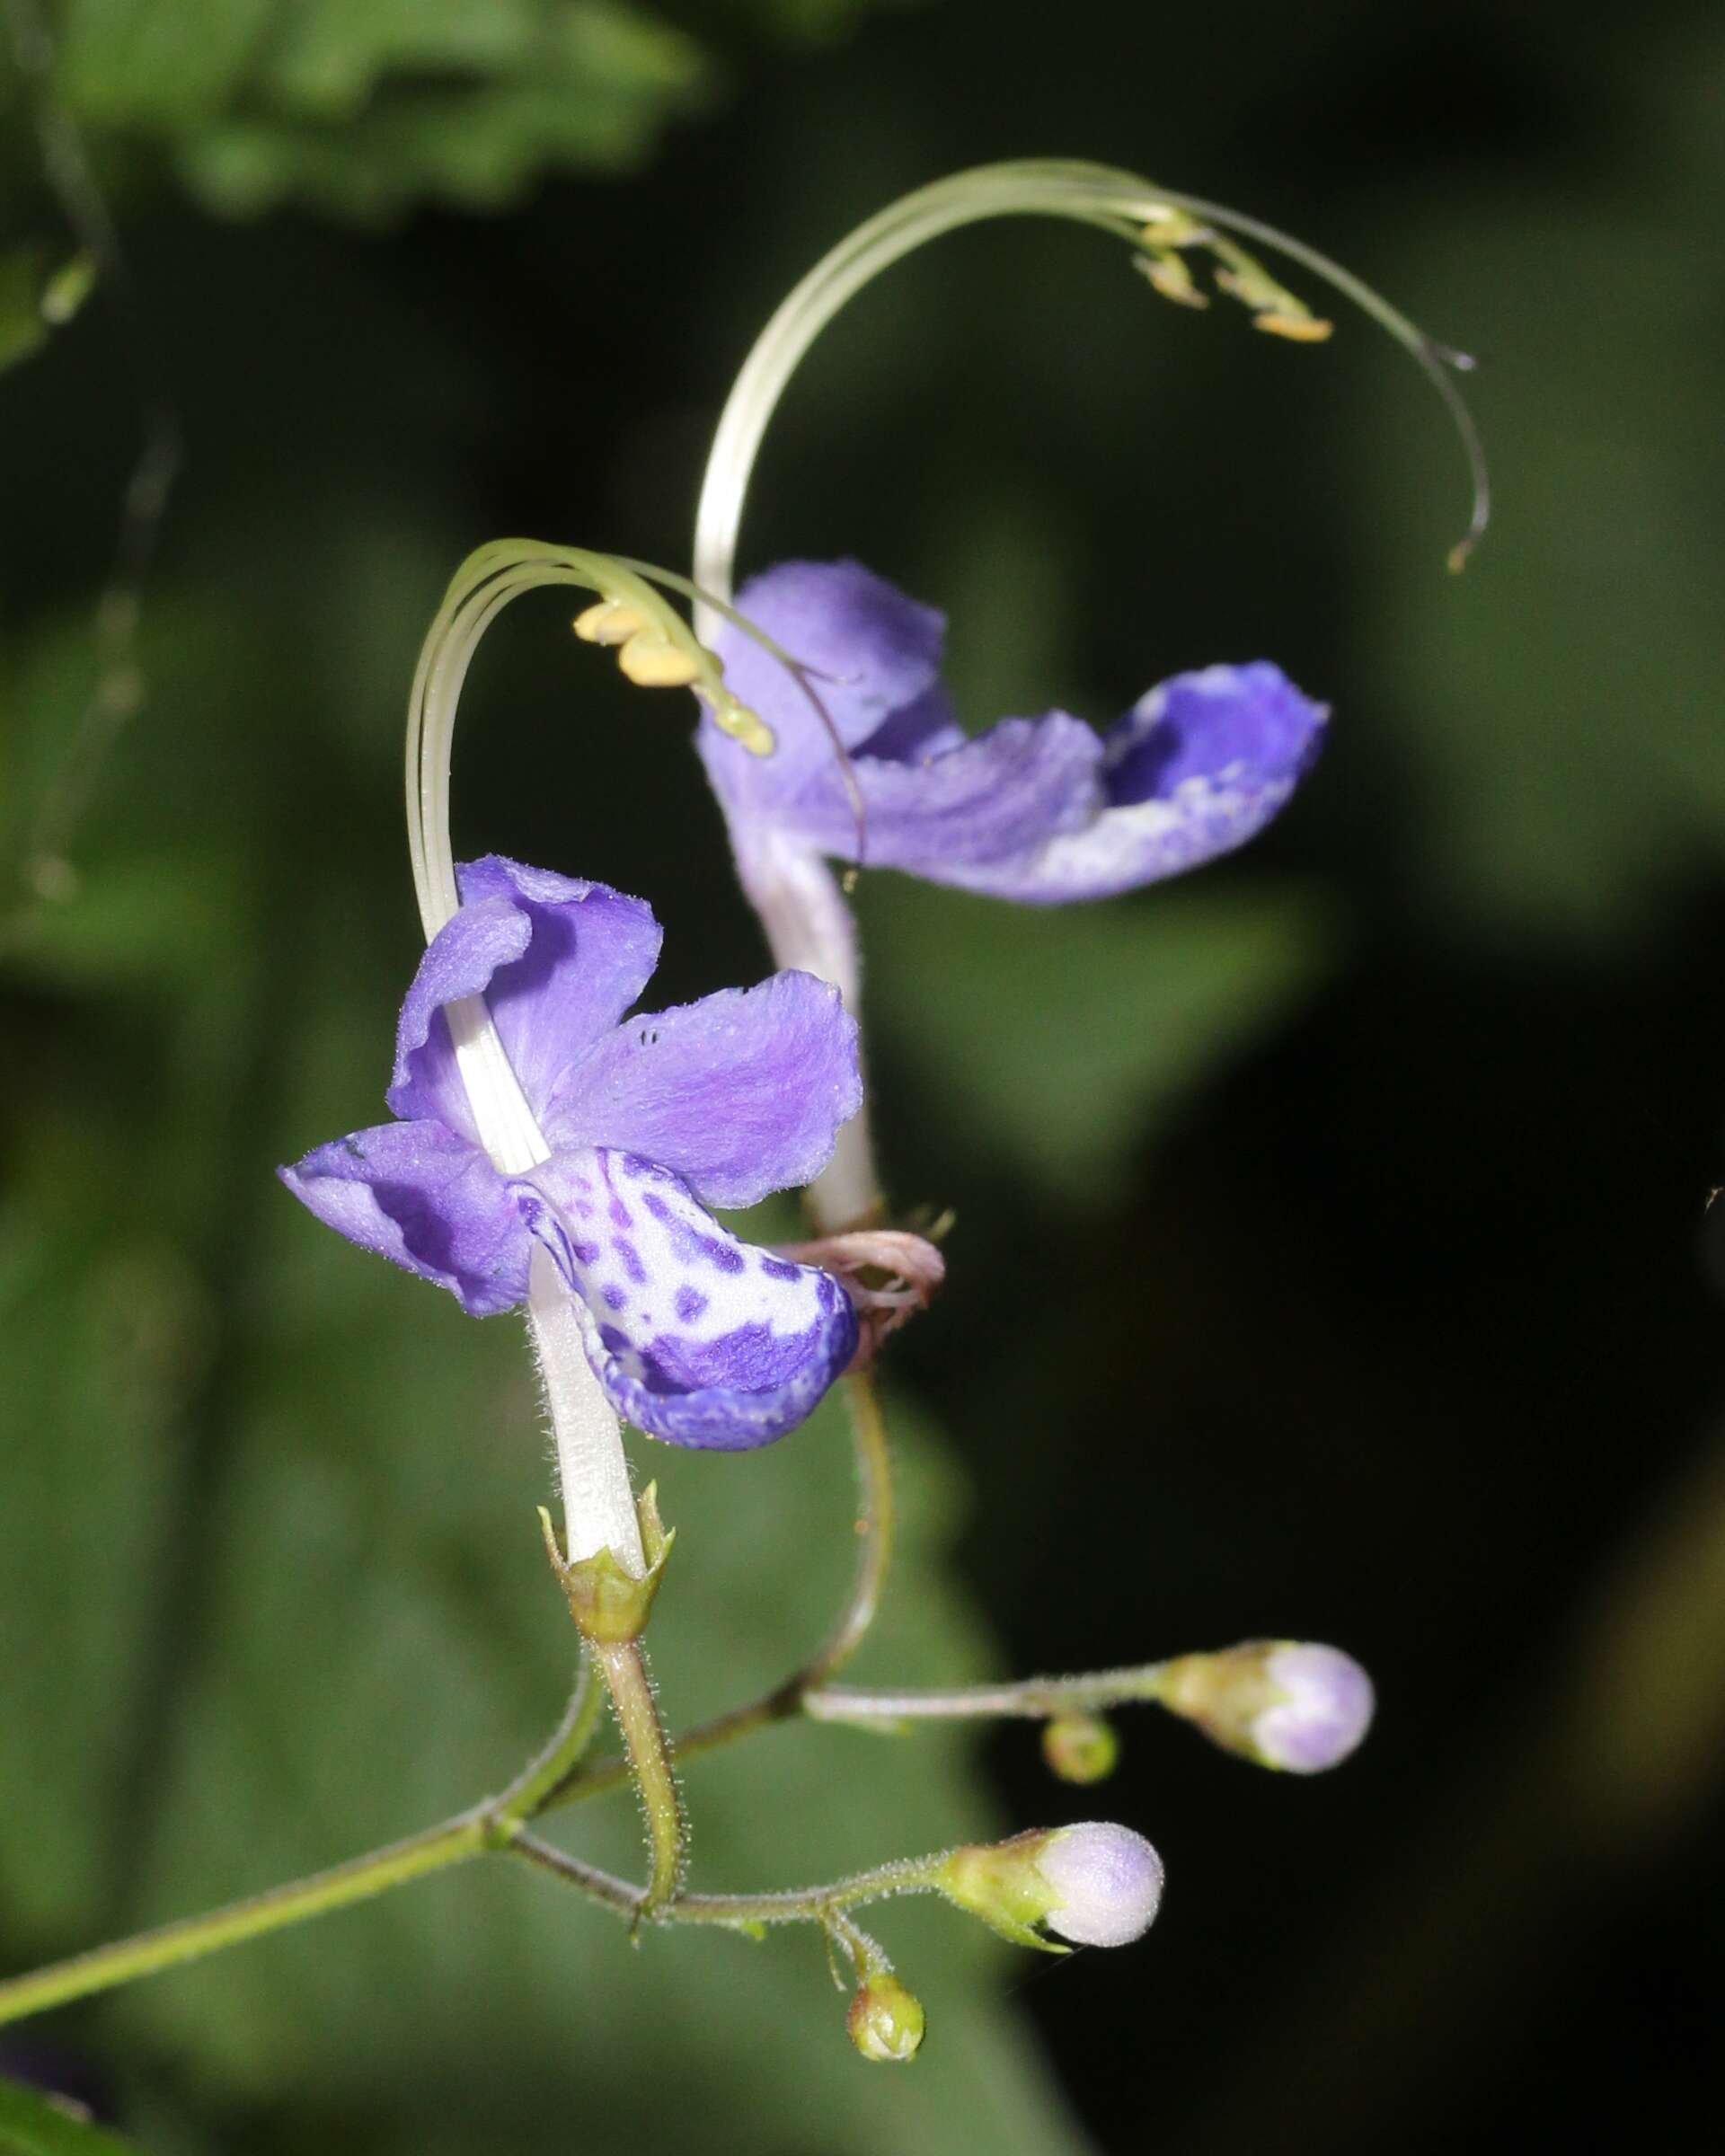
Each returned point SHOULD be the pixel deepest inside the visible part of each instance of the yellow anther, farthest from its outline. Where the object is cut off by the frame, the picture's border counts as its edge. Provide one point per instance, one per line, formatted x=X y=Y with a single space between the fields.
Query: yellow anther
x=609 y=622
x=652 y=661
x=747 y=729
x=1169 y=276
x=1298 y=329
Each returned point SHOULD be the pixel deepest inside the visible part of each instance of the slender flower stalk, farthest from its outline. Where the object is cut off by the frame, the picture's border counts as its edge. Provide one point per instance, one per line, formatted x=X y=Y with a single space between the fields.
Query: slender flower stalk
x=1284 y=1703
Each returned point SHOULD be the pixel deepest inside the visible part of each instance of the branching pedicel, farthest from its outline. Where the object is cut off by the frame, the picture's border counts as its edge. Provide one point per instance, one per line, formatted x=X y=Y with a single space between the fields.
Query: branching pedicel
x=547 y=1152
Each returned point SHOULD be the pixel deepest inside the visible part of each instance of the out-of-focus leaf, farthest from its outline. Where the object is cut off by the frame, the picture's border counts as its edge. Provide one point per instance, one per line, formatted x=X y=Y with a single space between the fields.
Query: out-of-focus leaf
x=365 y=107
x=133 y=62
x=35 y=298
x=22 y=330
x=1568 y=759
x=1062 y=1037
x=32 y=2124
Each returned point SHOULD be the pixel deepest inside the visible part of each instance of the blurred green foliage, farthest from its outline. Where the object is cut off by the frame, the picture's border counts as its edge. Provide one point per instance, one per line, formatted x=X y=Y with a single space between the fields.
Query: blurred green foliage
x=363 y=108
x=1323 y=1258
x=37 y=2126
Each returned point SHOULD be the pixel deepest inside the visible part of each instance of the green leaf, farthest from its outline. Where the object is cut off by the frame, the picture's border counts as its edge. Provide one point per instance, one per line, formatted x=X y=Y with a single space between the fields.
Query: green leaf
x=35 y=298
x=1556 y=712
x=1061 y=1037
x=33 y=2124
x=363 y=108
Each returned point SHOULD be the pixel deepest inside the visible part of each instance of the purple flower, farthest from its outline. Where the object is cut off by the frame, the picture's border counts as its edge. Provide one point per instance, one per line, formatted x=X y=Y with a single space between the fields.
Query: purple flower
x=695 y=1336
x=1042 y=810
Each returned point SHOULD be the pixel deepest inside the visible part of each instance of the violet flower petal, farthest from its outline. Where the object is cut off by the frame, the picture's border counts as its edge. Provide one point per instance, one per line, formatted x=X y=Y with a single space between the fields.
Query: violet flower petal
x=421 y=1195
x=559 y=962
x=696 y=1337
x=871 y=650
x=1024 y=780
x=739 y=1094
x=1040 y=810
x=1198 y=766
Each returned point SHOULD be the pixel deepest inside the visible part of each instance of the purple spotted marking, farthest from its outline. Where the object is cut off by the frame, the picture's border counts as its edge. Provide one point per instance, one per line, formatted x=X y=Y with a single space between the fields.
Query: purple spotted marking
x=630 y=1258
x=690 y=1304
x=689 y=1247
x=613 y=1298
x=777 y=1268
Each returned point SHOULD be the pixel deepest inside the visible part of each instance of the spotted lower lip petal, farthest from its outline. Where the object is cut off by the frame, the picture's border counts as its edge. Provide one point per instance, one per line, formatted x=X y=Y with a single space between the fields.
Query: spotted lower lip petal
x=697 y=1337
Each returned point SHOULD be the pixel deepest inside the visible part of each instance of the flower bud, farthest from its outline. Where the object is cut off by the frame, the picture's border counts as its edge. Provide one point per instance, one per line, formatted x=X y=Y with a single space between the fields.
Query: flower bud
x=1080 y=1747
x=1097 y=1884
x=1283 y=1702
x=1107 y=1881
x=886 y=2021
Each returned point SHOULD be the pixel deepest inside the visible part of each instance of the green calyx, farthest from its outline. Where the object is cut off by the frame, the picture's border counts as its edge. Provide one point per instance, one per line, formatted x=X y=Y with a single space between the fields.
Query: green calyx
x=609 y=1604
x=1000 y=1882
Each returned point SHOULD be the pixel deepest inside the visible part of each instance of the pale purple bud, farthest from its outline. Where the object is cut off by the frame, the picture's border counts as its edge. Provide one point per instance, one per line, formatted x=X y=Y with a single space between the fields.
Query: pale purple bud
x=1105 y=1882
x=1323 y=1707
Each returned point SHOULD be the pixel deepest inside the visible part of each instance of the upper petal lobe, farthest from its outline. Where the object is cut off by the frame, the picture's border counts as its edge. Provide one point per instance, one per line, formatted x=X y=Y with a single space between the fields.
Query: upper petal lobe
x=558 y=960
x=739 y=1094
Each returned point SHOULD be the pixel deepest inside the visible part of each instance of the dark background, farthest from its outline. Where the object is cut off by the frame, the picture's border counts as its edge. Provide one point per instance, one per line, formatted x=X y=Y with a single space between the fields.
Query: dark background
x=1332 y=1255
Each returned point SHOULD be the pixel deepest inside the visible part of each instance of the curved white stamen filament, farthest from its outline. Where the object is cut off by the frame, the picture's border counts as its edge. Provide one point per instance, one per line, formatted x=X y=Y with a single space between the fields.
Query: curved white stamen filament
x=598 y=1503
x=1117 y=202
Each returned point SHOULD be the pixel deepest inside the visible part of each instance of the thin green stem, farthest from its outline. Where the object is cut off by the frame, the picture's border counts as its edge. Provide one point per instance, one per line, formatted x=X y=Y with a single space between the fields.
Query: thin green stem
x=1036 y=1699
x=539 y=1781
x=738 y=1911
x=469 y=1833
x=875 y=1529
x=435 y=1849
x=624 y=1667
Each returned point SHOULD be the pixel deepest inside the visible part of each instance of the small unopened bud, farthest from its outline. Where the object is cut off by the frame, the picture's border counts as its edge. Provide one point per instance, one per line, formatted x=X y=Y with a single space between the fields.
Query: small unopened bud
x=1080 y=1747
x=1098 y=1885
x=1282 y=1703
x=886 y=2021
x=1108 y=1881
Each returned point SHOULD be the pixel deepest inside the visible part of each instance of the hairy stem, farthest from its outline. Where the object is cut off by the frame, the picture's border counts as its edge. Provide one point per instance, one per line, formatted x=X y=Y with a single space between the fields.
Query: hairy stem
x=166 y=1947
x=533 y=1786
x=1036 y=1699
x=624 y=1667
x=738 y=1912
